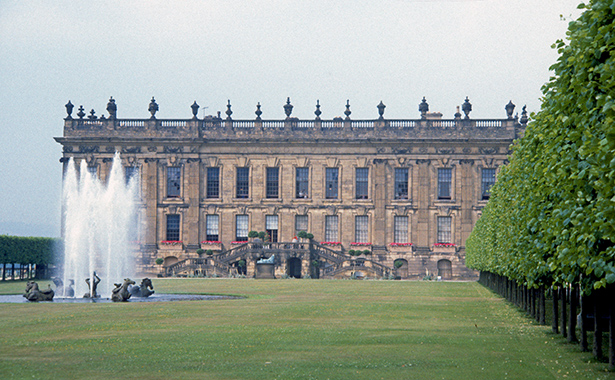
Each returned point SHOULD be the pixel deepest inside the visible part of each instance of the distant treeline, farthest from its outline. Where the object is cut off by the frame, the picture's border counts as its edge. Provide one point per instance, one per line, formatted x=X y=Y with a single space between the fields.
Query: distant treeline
x=27 y=250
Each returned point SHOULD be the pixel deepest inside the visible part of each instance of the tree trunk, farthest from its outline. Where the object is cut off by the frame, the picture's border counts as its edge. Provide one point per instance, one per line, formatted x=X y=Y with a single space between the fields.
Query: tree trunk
x=611 y=296
x=572 y=320
x=541 y=305
x=3 y=271
x=555 y=319
x=597 y=349
x=562 y=295
x=585 y=307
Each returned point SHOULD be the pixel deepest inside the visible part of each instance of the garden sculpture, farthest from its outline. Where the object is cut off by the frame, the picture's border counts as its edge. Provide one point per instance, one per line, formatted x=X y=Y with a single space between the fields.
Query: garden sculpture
x=92 y=292
x=64 y=291
x=270 y=260
x=121 y=293
x=34 y=294
x=145 y=289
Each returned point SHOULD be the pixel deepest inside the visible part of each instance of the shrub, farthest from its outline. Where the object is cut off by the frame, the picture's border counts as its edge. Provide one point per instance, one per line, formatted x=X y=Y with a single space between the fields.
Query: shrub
x=253 y=234
x=209 y=252
x=351 y=252
x=200 y=251
x=309 y=236
x=302 y=234
x=159 y=261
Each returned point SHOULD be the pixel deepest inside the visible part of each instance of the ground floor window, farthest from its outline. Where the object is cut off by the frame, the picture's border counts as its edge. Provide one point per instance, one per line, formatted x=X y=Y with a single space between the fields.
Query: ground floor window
x=271 y=225
x=361 y=229
x=444 y=229
x=331 y=225
x=400 y=229
x=241 y=228
x=212 y=227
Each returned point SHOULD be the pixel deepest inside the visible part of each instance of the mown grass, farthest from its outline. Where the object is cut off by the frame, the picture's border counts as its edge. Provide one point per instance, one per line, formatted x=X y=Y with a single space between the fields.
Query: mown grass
x=288 y=329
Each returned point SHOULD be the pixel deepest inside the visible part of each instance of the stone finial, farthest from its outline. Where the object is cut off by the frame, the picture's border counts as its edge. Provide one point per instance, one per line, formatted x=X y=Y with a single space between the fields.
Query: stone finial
x=112 y=108
x=288 y=108
x=81 y=112
x=153 y=108
x=195 y=110
x=228 y=110
x=258 y=111
x=381 y=108
x=423 y=108
x=524 y=117
x=317 y=112
x=467 y=108
x=457 y=114
x=92 y=115
x=69 y=109
x=510 y=108
x=347 y=112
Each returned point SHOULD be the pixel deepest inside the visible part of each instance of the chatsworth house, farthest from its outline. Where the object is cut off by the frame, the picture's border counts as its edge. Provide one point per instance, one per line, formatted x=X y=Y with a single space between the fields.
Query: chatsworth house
x=375 y=198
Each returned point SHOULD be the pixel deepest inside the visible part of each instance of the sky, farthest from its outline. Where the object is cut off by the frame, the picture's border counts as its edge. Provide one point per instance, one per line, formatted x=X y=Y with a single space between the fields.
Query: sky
x=209 y=51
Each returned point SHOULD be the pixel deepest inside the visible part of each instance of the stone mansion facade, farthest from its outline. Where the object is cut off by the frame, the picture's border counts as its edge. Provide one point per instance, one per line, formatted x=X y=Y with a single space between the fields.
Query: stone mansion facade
x=379 y=196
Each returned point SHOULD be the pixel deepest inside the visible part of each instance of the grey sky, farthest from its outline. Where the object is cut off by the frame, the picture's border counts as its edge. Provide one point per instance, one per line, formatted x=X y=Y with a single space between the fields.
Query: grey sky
x=396 y=51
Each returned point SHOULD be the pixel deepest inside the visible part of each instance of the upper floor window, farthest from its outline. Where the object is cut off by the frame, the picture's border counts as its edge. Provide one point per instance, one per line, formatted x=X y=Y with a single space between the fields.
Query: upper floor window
x=174 y=181
x=331 y=183
x=445 y=176
x=487 y=181
x=212 y=227
x=301 y=223
x=444 y=229
x=93 y=170
x=400 y=229
x=173 y=227
x=362 y=183
x=213 y=182
x=401 y=183
x=302 y=182
x=131 y=173
x=331 y=228
x=271 y=226
x=243 y=182
x=241 y=227
x=273 y=182
x=361 y=229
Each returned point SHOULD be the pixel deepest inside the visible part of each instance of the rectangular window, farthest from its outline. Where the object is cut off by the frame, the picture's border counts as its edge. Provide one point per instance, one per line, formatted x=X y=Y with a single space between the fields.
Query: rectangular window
x=173 y=227
x=212 y=223
x=131 y=173
x=361 y=229
x=213 y=183
x=273 y=182
x=487 y=181
x=302 y=182
x=243 y=182
x=331 y=183
x=241 y=227
x=331 y=227
x=93 y=170
x=271 y=225
x=444 y=229
x=173 y=181
x=401 y=183
x=301 y=223
x=400 y=229
x=445 y=176
x=362 y=183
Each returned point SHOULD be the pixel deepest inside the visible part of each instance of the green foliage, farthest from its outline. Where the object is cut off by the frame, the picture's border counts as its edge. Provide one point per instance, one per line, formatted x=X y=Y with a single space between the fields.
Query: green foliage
x=200 y=251
x=551 y=212
x=241 y=263
x=302 y=235
x=351 y=252
x=309 y=236
x=159 y=261
x=27 y=250
x=398 y=264
x=209 y=252
x=253 y=234
x=367 y=252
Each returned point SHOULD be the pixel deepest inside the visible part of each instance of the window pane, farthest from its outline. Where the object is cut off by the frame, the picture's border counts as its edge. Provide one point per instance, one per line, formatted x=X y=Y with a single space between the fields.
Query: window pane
x=301 y=186
x=241 y=227
x=444 y=229
x=271 y=225
x=361 y=224
x=362 y=183
x=243 y=181
x=401 y=183
x=401 y=229
x=173 y=181
x=445 y=176
x=301 y=223
x=332 y=175
x=331 y=228
x=272 y=182
x=93 y=170
x=213 y=182
x=212 y=227
x=488 y=179
x=173 y=227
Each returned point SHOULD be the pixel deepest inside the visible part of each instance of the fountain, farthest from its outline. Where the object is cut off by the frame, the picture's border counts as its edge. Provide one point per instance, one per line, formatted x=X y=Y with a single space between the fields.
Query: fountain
x=99 y=224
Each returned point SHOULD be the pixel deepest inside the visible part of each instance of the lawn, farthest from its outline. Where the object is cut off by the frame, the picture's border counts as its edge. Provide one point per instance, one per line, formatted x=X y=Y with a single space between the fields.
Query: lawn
x=289 y=329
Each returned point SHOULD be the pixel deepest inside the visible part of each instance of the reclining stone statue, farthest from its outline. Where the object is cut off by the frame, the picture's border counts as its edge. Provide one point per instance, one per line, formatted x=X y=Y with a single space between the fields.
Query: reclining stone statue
x=33 y=294
x=145 y=289
x=270 y=260
x=64 y=291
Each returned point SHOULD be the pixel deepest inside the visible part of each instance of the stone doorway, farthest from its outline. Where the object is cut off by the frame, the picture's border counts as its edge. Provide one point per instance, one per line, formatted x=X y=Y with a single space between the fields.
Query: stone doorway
x=401 y=268
x=293 y=267
x=445 y=269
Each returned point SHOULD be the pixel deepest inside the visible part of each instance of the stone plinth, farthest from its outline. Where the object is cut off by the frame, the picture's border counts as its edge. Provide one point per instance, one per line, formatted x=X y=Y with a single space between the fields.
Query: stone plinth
x=264 y=270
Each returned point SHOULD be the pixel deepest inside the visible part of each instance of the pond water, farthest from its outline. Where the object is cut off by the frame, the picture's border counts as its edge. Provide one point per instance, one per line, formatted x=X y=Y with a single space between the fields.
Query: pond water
x=18 y=298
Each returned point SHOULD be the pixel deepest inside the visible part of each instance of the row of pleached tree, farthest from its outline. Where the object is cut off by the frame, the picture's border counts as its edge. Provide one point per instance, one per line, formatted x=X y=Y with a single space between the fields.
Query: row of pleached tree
x=549 y=226
x=18 y=255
